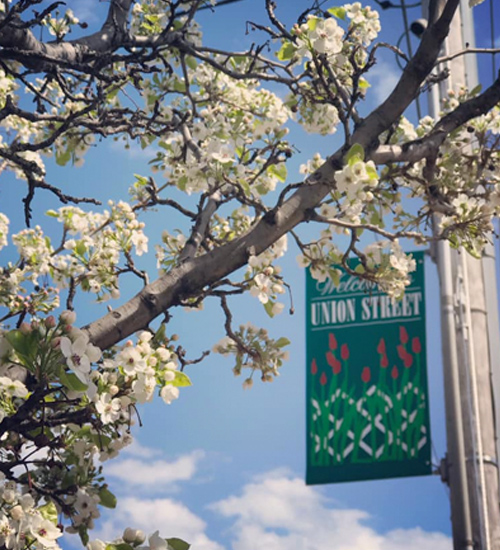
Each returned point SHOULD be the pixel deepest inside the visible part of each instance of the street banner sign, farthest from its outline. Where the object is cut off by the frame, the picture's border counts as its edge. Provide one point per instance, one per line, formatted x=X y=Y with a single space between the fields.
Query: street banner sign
x=367 y=400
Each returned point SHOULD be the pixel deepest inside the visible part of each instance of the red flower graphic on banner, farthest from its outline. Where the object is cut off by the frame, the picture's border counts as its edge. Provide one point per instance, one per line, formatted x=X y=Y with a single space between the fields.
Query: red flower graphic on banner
x=332 y=341
x=381 y=347
x=333 y=362
x=323 y=380
x=384 y=361
x=344 y=352
x=366 y=375
x=394 y=372
x=403 y=335
x=401 y=352
x=416 y=346
x=314 y=367
x=408 y=360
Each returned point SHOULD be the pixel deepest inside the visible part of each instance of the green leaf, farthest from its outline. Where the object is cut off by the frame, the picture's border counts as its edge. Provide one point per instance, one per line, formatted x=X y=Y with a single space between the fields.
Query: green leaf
x=475 y=91
x=454 y=242
x=286 y=51
x=63 y=158
x=49 y=511
x=159 y=337
x=339 y=13
x=120 y=546
x=191 y=62
x=17 y=340
x=178 y=544
x=261 y=189
x=80 y=248
x=363 y=84
x=146 y=141
x=107 y=498
x=359 y=269
x=355 y=154
x=179 y=86
x=291 y=102
x=279 y=171
x=52 y=213
x=370 y=170
x=112 y=91
x=141 y=179
x=312 y=23
x=25 y=345
x=268 y=306
x=84 y=536
x=472 y=250
x=335 y=276
x=282 y=342
x=375 y=219
x=71 y=381
x=246 y=187
x=181 y=379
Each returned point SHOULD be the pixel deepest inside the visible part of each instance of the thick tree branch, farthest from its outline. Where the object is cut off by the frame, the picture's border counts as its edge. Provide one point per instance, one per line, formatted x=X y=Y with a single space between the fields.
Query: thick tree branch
x=18 y=42
x=192 y=276
x=416 y=150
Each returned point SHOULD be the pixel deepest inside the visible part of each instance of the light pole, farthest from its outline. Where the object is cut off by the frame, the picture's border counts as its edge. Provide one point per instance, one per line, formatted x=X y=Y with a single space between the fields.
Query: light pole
x=470 y=346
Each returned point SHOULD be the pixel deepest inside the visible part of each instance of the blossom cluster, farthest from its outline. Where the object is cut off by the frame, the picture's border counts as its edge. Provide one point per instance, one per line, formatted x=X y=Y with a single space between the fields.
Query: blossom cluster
x=59 y=26
x=264 y=279
x=254 y=349
x=93 y=247
x=23 y=524
x=217 y=154
x=56 y=356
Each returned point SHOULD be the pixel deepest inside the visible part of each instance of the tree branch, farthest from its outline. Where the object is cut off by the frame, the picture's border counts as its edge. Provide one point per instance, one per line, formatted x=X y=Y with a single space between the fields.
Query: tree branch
x=189 y=278
x=20 y=42
x=416 y=150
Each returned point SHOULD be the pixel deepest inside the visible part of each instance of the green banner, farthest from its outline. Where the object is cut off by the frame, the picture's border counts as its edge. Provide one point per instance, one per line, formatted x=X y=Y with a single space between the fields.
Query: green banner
x=367 y=402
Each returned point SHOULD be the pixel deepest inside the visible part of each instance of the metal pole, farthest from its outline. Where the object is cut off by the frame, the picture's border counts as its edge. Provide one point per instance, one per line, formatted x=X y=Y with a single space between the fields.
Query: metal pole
x=453 y=466
x=477 y=498
x=455 y=473
x=481 y=349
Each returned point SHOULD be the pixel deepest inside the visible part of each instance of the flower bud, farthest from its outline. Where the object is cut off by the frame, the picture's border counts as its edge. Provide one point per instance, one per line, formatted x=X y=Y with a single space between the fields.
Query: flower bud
x=25 y=328
x=27 y=502
x=50 y=321
x=129 y=534
x=95 y=544
x=17 y=512
x=9 y=496
x=68 y=317
x=169 y=376
x=140 y=536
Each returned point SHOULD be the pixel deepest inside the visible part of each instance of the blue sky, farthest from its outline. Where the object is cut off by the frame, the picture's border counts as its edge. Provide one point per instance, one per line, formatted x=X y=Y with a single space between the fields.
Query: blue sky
x=223 y=467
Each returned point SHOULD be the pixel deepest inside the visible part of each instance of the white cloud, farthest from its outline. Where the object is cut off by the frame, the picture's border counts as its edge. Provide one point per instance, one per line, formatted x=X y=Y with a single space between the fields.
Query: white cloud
x=172 y=518
x=133 y=471
x=140 y=451
x=383 y=78
x=279 y=513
